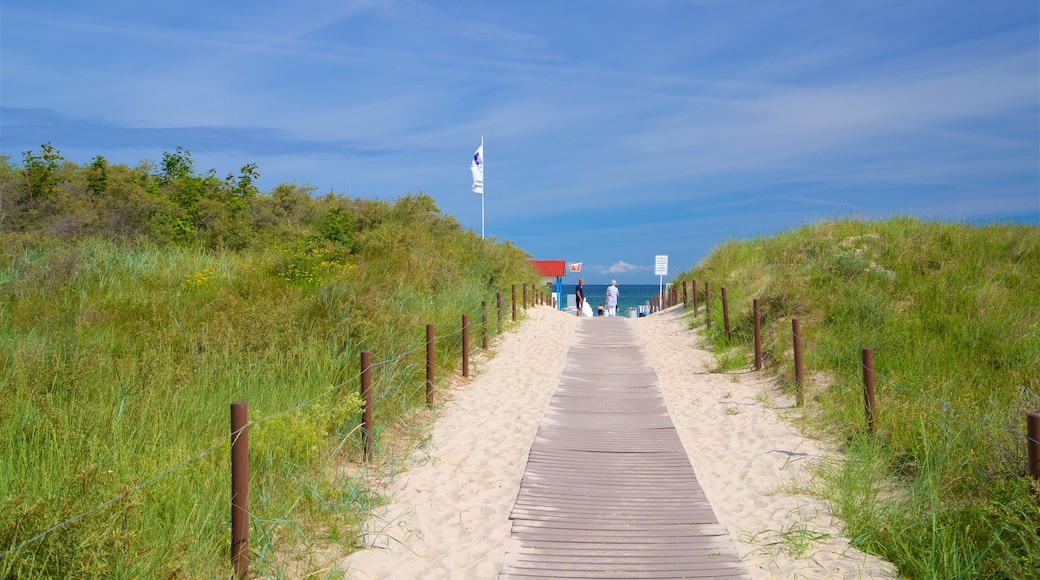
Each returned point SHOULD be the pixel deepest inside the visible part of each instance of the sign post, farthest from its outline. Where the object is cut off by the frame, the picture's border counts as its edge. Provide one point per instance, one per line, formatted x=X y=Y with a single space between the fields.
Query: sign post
x=661 y=269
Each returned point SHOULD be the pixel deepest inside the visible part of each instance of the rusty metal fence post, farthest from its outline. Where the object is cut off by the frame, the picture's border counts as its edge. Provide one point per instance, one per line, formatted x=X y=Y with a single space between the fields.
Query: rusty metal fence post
x=685 y=296
x=695 y=298
x=725 y=312
x=869 y=403
x=483 y=324
x=758 y=334
x=796 y=332
x=240 y=489
x=366 y=397
x=430 y=362
x=514 y=302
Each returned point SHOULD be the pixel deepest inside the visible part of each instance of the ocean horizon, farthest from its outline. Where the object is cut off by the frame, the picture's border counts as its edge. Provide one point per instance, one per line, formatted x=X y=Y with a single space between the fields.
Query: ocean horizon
x=629 y=295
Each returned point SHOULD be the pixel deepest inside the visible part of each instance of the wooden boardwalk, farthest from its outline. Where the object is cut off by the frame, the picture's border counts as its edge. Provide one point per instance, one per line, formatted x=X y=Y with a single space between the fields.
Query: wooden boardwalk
x=609 y=491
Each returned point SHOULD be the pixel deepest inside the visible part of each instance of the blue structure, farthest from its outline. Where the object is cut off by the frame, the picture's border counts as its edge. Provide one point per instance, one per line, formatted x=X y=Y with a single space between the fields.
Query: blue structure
x=552 y=272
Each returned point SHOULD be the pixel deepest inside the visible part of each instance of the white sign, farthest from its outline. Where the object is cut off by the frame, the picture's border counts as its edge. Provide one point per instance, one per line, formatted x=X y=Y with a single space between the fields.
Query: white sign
x=661 y=268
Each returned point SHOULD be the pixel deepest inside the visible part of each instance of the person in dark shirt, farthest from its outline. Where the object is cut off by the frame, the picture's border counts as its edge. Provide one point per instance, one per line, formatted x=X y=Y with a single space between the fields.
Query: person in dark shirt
x=579 y=294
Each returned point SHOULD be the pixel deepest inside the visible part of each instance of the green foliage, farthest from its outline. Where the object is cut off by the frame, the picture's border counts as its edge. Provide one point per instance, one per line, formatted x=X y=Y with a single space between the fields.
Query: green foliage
x=949 y=310
x=338 y=226
x=177 y=165
x=125 y=341
x=97 y=179
x=312 y=262
x=41 y=173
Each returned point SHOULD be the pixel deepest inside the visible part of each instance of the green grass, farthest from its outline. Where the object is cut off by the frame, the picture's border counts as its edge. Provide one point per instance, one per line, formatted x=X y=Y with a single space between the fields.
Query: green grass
x=950 y=311
x=120 y=362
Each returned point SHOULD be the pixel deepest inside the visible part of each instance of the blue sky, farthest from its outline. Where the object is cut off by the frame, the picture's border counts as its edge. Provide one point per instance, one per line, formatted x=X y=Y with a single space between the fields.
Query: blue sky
x=614 y=131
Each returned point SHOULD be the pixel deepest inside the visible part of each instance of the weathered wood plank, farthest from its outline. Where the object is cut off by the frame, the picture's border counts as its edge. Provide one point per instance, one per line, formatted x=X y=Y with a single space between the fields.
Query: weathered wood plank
x=609 y=491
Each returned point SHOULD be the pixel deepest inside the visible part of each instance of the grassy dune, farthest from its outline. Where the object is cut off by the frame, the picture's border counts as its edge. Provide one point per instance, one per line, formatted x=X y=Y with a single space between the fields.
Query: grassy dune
x=120 y=361
x=951 y=313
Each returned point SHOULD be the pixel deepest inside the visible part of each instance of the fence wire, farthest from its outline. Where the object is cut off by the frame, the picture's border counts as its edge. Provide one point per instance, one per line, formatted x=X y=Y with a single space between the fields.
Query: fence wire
x=909 y=390
x=943 y=404
x=226 y=440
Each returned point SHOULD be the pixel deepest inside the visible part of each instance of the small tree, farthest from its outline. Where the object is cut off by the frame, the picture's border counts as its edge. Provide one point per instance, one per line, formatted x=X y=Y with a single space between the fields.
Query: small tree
x=338 y=226
x=41 y=173
x=97 y=177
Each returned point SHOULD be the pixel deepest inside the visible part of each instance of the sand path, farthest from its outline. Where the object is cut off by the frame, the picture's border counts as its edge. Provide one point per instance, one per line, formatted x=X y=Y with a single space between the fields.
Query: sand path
x=448 y=516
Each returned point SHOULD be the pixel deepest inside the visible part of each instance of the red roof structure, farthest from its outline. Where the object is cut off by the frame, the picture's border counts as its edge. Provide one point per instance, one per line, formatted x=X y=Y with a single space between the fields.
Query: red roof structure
x=554 y=268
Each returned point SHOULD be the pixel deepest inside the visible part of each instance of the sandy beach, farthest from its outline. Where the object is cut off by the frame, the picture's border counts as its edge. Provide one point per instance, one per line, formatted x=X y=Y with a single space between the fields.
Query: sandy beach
x=449 y=510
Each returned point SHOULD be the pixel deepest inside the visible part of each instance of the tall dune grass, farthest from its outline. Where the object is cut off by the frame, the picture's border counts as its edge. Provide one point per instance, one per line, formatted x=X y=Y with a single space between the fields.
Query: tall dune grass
x=120 y=363
x=951 y=313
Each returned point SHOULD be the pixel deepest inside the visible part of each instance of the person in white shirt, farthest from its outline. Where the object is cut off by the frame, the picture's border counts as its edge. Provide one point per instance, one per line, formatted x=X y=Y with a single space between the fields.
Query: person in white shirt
x=612 y=298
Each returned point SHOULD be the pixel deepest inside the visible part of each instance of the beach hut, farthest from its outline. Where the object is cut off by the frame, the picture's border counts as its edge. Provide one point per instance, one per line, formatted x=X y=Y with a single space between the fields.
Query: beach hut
x=551 y=273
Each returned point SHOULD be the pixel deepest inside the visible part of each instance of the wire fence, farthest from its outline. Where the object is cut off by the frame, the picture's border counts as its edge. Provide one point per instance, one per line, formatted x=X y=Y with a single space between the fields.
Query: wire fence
x=394 y=364
x=674 y=297
x=401 y=359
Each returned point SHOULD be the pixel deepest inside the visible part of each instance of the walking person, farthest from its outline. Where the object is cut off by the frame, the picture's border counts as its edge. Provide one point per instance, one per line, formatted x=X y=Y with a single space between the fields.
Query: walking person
x=612 y=298
x=579 y=294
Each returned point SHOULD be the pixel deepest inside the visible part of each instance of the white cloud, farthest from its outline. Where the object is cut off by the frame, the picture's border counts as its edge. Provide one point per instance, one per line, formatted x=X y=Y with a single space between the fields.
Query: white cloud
x=622 y=267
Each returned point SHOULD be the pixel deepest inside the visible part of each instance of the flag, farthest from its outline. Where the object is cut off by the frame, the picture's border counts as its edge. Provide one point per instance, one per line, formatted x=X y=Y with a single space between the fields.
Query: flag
x=477 y=168
x=576 y=267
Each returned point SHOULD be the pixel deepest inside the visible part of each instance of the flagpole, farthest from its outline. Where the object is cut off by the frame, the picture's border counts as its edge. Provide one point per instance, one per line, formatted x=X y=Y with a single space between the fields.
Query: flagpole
x=477 y=168
x=482 y=193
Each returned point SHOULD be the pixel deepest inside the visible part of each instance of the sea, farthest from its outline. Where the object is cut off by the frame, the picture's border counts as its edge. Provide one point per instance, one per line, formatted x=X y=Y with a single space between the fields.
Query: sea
x=629 y=295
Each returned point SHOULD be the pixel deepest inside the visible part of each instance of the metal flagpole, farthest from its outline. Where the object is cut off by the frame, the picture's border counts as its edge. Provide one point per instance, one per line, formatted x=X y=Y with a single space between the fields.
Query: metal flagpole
x=477 y=168
x=482 y=190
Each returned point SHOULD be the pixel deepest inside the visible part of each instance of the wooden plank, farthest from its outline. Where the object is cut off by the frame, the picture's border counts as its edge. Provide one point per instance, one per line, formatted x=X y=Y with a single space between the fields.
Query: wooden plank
x=609 y=491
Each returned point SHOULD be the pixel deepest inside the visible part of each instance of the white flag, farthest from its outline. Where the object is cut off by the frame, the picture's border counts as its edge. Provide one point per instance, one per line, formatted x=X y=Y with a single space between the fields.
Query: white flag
x=477 y=167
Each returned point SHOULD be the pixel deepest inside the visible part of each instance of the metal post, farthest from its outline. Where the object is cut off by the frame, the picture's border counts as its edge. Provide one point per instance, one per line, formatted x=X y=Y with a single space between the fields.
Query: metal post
x=465 y=345
x=694 y=297
x=514 y=302
x=870 y=404
x=240 y=489
x=483 y=323
x=685 y=297
x=725 y=312
x=430 y=362
x=758 y=335
x=796 y=332
x=366 y=397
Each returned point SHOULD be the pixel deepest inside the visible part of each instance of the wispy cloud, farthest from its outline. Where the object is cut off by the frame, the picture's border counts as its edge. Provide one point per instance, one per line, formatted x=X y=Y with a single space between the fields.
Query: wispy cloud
x=621 y=267
x=609 y=139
